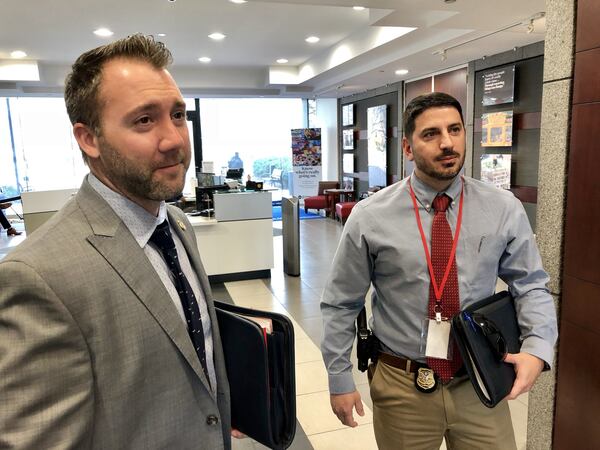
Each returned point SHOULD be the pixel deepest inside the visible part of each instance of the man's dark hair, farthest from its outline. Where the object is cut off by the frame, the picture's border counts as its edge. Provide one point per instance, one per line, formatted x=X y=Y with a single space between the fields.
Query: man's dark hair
x=420 y=104
x=82 y=85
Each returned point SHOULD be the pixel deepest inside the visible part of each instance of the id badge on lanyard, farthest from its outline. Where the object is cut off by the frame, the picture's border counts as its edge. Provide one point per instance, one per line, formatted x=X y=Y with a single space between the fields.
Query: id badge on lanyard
x=435 y=332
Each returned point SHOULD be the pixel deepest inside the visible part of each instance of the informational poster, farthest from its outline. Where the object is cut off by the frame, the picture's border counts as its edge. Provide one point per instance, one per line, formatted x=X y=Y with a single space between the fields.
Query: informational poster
x=495 y=169
x=348 y=139
x=348 y=163
x=348 y=114
x=377 y=145
x=306 y=161
x=496 y=129
x=498 y=86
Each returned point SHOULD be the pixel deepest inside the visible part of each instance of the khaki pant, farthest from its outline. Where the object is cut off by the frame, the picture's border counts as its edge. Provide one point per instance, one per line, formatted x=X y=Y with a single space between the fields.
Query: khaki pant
x=404 y=418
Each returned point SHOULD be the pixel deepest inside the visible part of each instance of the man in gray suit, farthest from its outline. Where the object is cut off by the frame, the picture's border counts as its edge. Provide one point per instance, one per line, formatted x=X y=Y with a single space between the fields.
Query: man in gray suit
x=94 y=347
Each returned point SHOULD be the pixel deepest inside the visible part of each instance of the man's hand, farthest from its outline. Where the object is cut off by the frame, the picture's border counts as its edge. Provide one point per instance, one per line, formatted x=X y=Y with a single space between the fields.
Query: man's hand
x=527 y=368
x=237 y=434
x=342 y=405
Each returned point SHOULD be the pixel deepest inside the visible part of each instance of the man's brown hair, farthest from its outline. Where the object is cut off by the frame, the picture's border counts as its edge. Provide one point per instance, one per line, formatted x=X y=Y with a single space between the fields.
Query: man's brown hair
x=82 y=85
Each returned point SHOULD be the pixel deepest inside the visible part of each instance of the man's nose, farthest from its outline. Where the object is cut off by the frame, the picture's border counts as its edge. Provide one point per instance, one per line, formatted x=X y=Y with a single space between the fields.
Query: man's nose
x=446 y=141
x=171 y=136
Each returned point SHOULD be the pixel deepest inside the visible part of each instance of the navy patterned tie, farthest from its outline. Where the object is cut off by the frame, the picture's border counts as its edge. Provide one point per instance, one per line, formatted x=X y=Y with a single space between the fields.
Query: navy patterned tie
x=164 y=242
x=441 y=246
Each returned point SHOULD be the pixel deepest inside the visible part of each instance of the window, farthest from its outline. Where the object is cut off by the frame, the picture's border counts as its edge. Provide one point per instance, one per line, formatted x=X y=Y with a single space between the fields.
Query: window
x=257 y=129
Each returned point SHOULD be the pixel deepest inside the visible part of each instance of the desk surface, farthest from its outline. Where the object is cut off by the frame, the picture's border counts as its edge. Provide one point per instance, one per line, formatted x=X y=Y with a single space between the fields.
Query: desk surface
x=338 y=191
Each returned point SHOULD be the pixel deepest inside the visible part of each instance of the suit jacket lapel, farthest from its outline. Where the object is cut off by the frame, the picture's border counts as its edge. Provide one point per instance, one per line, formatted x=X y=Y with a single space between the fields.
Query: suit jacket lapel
x=112 y=239
x=185 y=232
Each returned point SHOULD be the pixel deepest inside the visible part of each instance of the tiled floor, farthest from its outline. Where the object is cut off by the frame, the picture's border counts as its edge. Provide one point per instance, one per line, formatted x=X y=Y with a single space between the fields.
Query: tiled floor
x=298 y=297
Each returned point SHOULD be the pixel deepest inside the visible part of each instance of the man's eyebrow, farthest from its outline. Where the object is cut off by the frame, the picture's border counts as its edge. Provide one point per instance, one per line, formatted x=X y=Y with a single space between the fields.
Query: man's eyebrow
x=152 y=106
x=426 y=130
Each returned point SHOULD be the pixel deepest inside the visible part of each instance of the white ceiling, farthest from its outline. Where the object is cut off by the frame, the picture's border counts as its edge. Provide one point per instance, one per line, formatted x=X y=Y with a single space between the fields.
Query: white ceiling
x=358 y=50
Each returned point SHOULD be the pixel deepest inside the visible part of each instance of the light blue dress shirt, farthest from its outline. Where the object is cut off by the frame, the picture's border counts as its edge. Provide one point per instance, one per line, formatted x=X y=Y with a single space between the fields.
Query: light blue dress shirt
x=141 y=224
x=381 y=245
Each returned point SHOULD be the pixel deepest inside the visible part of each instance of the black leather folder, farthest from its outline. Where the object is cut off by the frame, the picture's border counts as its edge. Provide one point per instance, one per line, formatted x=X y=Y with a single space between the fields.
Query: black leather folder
x=261 y=372
x=484 y=333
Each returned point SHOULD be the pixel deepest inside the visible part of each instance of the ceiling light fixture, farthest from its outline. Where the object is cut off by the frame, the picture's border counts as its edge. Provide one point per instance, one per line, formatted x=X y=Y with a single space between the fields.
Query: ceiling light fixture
x=238 y=2
x=358 y=8
x=282 y=61
x=217 y=36
x=18 y=54
x=529 y=22
x=204 y=59
x=103 y=32
x=312 y=39
x=401 y=72
x=161 y=34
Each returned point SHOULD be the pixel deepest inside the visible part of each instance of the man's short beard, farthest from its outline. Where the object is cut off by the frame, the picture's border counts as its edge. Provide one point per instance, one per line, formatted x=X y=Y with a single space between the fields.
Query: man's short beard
x=428 y=170
x=134 y=178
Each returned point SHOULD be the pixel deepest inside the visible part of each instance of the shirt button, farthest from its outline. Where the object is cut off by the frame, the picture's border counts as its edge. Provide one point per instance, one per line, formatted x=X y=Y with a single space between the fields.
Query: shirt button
x=453 y=203
x=212 y=420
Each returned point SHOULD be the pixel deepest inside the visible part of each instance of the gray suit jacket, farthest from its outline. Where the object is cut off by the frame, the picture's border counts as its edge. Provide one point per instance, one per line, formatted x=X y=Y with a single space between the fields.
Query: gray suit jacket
x=93 y=353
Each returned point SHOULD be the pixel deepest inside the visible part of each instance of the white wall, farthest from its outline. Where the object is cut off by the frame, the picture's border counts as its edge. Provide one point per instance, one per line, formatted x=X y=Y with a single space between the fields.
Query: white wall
x=327 y=121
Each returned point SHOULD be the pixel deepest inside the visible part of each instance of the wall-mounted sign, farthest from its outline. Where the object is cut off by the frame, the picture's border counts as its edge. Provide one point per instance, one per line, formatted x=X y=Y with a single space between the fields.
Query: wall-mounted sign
x=348 y=114
x=348 y=139
x=377 y=145
x=495 y=169
x=498 y=86
x=496 y=129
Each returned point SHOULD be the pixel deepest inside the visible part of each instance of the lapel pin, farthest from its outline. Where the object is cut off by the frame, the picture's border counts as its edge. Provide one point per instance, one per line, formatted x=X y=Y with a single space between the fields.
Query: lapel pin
x=181 y=225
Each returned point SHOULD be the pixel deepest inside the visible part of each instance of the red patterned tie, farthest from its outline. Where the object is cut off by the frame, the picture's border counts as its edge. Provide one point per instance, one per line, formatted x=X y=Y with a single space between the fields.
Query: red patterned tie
x=441 y=247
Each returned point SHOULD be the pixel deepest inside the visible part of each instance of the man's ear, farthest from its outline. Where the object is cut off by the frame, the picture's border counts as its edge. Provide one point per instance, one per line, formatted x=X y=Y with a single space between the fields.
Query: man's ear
x=407 y=149
x=87 y=140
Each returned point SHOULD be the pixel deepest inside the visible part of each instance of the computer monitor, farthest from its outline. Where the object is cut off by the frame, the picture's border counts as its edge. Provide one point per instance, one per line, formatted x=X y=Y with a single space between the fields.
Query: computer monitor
x=235 y=174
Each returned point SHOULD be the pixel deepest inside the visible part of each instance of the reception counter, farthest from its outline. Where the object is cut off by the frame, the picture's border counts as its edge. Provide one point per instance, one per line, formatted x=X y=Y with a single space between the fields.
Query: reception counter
x=238 y=242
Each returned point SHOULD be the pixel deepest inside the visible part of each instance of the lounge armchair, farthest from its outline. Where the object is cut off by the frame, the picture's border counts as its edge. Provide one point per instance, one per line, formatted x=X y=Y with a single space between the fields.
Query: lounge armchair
x=320 y=201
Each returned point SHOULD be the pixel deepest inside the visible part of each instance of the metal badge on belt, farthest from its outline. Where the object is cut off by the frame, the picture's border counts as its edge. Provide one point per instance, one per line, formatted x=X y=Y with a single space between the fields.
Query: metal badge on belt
x=425 y=380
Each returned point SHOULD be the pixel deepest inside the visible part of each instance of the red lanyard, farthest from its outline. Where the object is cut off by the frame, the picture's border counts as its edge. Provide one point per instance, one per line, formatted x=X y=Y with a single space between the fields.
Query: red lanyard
x=438 y=290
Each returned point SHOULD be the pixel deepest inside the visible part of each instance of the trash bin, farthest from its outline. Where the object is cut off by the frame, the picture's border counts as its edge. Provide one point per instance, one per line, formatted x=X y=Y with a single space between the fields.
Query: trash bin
x=290 y=216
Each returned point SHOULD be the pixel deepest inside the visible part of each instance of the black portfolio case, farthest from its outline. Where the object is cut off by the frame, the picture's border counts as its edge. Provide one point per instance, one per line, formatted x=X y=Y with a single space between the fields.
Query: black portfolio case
x=261 y=373
x=477 y=331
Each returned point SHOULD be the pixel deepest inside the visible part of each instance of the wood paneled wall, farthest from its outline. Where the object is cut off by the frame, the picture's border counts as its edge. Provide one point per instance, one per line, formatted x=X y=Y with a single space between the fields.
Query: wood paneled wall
x=578 y=385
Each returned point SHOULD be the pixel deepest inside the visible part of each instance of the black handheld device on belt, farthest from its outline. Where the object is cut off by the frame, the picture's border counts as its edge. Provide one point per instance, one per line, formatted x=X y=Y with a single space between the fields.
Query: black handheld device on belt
x=367 y=344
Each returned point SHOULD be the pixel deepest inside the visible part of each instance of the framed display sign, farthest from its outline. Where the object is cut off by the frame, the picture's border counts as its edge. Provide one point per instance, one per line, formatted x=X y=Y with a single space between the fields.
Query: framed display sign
x=348 y=139
x=496 y=129
x=348 y=163
x=348 y=114
x=377 y=145
x=495 y=169
x=498 y=86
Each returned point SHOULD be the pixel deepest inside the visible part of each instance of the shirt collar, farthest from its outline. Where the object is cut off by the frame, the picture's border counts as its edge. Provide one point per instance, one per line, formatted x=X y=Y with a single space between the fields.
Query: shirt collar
x=425 y=193
x=138 y=221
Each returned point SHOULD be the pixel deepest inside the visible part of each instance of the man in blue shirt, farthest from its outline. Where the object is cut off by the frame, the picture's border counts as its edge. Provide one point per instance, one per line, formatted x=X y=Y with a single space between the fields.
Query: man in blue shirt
x=382 y=247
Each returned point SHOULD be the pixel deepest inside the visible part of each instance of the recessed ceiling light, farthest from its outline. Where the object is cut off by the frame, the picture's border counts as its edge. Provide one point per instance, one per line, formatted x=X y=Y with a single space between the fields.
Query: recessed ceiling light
x=18 y=54
x=238 y=2
x=312 y=39
x=161 y=34
x=171 y=1
x=358 y=8
x=282 y=60
x=204 y=59
x=401 y=72
x=217 y=36
x=103 y=32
